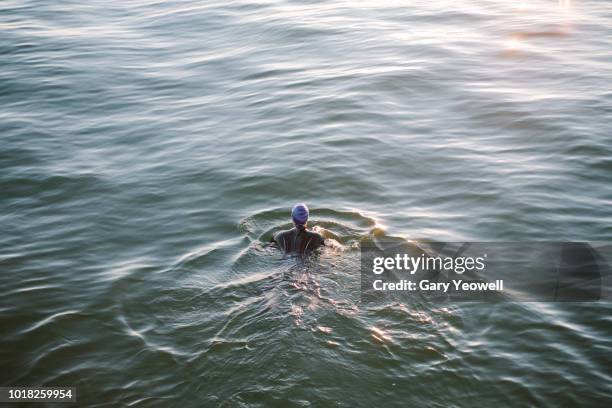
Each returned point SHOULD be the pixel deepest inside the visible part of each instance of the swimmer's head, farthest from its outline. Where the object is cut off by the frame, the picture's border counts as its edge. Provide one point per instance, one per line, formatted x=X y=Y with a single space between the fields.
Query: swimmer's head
x=299 y=214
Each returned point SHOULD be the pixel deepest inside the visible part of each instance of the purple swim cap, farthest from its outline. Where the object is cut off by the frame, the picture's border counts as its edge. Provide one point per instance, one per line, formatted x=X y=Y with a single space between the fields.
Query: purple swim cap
x=299 y=214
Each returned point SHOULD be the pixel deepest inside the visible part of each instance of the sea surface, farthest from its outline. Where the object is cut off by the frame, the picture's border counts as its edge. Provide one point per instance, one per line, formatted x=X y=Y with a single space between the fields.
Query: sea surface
x=148 y=150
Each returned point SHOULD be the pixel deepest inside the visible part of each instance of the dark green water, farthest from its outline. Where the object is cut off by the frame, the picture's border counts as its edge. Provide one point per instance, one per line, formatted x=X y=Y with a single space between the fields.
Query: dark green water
x=148 y=148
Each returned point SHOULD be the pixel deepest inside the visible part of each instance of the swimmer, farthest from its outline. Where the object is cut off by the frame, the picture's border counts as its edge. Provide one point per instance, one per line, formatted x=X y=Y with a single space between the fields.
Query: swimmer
x=299 y=239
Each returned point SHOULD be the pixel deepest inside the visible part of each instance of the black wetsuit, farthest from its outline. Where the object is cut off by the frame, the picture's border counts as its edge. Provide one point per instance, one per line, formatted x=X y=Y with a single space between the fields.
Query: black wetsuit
x=298 y=240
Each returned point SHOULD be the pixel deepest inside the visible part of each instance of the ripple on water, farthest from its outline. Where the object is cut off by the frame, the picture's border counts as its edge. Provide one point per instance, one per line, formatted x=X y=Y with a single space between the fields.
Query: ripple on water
x=137 y=136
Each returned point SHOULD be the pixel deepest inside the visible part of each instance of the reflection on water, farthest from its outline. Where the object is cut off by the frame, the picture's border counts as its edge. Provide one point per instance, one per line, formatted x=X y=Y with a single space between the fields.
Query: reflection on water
x=151 y=149
x=558 y=25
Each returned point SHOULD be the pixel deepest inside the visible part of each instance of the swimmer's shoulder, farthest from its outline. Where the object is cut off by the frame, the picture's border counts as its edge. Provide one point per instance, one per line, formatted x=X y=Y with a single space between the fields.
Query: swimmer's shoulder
x=281 y=235
x=316 y=238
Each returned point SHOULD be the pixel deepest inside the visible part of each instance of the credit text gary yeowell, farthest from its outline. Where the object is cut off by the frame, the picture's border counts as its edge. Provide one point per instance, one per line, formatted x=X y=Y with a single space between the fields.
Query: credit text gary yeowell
x=412 y=264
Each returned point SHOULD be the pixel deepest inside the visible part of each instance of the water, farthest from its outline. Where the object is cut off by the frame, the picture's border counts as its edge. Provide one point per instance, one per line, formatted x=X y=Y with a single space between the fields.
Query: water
x=149 y=149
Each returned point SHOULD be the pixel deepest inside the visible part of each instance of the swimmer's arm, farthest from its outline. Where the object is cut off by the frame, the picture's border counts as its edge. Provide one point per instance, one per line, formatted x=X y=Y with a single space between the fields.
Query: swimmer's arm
x=274 y=242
